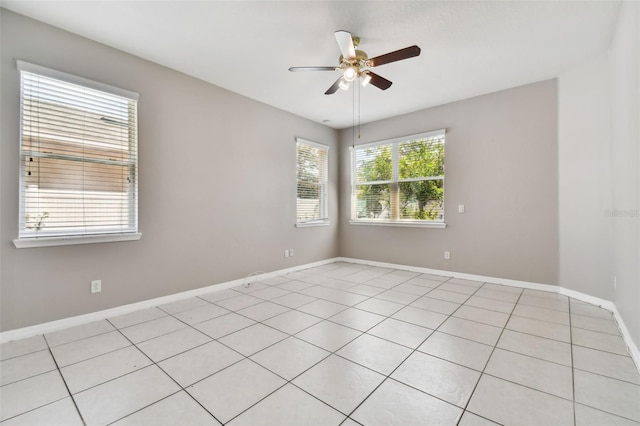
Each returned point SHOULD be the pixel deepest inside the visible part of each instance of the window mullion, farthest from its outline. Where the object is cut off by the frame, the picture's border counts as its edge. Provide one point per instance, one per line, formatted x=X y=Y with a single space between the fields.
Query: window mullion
x=395 y=191
x=354 y=192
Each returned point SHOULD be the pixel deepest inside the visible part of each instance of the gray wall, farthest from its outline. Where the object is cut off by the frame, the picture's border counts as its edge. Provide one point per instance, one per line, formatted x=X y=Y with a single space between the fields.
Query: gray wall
x=599 y=188
x=584 y=181
x=501 y=163
x=625 y=136
x=217 y=187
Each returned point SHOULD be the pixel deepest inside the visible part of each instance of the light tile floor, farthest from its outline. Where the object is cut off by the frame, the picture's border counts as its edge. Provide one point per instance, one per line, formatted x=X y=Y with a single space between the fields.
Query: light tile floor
x=338 y=344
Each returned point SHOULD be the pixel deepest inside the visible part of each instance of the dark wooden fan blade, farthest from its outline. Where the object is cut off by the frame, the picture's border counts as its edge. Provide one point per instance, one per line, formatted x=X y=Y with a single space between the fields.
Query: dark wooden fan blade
x=334 y=87
x=345 y=42
x=379 y=82
x=295 y=69
x=398 y=55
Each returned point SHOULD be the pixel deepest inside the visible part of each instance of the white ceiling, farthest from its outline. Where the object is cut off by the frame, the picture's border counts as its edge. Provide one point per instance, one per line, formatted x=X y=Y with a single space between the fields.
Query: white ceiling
x=468 y=48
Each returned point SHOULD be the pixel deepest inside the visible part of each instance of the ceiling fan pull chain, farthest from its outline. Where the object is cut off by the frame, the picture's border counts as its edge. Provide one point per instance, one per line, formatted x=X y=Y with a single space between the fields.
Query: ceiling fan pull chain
x=353 y=117
x=359 y=103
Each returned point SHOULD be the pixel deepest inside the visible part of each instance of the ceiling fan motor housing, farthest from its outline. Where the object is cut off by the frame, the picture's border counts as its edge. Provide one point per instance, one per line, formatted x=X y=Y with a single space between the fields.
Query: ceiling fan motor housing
x=359 y=62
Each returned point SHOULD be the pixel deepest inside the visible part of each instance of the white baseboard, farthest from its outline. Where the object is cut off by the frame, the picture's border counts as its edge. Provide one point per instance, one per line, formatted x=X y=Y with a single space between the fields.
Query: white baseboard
x=631 y=345
x=49 y=327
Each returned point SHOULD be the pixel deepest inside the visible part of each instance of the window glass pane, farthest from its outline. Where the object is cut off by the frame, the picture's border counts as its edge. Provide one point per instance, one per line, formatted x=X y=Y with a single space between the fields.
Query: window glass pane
x=308 y=202
x=373 y=201
x=312 y=170
x=374 y=164
x=73 y=175
x=421 y=158
x=61 y=212
x=79 y=159
x=400 y=180
x=422 y=200
x=308 y=163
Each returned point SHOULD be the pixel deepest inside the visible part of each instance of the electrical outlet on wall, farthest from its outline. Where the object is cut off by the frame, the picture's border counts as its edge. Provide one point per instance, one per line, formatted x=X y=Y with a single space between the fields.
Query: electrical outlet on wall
x=290 y=252
x=96 y=286
x=447 y=255
x=286 y=253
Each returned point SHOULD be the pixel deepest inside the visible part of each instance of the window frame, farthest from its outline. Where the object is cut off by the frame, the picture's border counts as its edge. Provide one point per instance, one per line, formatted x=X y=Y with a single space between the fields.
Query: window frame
x=395 y=180
x=25 y=238
x=324 y=188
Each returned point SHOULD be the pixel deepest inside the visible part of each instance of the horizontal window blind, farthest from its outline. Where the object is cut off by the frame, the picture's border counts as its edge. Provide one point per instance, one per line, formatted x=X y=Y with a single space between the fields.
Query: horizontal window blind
x=79 y=163
x=399 y=180
x=312 y=180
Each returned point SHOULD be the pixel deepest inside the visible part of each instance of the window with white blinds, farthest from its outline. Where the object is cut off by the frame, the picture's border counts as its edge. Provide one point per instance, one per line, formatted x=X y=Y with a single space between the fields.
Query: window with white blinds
x=312 y=167
x=399 y=181
x=79 y=156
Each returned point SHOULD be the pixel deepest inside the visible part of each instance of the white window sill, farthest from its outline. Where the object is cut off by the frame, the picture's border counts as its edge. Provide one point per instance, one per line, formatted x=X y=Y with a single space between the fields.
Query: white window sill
x=80 y=239
x=310 y=224
x=407 y=224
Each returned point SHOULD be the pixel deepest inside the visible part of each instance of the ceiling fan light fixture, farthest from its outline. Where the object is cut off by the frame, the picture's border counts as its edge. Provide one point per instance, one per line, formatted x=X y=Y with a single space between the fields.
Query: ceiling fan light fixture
x=354 y=64
x=366 y=78
x=350 y=73
x=344 y=84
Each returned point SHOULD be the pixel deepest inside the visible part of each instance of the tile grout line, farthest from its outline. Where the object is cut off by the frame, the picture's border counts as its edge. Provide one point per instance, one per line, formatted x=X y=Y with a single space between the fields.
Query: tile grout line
x=290 y=381
x=214 y=339
x=471 y=320
x=32 y=376
x=135 y=345
x=57 y=369
x=153 y=363
x=330 y=353
x=161 y=369
x=452 y=315
x=261 y=366
x=134 y=412
x=605 y=376
x=65 y=382
x=313 y=365
x=569 y=299
x=307 y=369
x=573 y=379
x=609 y=412
x=490 y=355
x=388 y=376
x=77 y=340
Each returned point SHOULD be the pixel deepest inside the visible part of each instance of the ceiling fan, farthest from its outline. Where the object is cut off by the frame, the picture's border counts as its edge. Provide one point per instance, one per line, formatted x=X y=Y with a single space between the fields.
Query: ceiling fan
x=355 y=63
